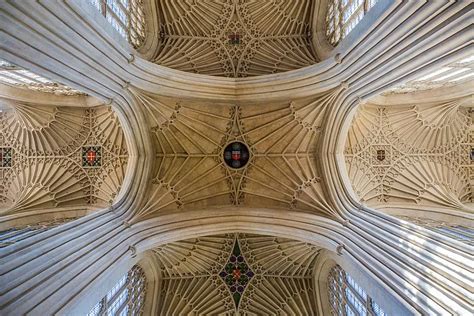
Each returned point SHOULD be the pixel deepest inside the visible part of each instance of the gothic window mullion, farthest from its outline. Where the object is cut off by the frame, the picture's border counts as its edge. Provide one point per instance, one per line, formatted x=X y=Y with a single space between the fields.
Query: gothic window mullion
x=103 y=7
x=103 y=307
x=356 y=293
x=347 y=301
x=342 y=287
x=127 y=295
x=123 y=305
x=116 y=18
x=343 y=18
x=119 y=292
x=369 y=307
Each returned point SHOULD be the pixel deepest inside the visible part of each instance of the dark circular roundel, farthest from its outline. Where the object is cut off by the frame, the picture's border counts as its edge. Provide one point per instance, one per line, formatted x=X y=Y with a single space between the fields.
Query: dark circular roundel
x=236 y=155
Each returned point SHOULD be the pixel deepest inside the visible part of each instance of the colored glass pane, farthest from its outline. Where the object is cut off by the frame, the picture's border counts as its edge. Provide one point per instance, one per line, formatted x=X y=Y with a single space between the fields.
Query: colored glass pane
x=234 y=39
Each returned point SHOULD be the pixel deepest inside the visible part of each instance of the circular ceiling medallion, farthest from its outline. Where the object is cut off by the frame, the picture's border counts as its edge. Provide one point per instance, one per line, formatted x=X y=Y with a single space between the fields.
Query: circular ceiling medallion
x=236 y=155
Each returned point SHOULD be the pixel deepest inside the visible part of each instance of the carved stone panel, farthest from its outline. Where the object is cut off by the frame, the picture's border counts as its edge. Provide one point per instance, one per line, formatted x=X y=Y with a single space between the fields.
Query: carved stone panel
x=235 y=38
x=192 y=139
x=59 y=156
x=402 y=156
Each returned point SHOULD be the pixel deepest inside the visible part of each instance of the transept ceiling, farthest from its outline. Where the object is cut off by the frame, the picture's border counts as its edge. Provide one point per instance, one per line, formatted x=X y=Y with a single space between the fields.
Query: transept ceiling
x=412 y=156
x=235 y=38
x=275 y=275
x=55 y=157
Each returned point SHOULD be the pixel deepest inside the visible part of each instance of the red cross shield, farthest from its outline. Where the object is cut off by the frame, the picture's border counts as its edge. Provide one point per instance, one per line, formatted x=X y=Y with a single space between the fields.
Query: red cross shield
x=91 y=156
x=235 y=154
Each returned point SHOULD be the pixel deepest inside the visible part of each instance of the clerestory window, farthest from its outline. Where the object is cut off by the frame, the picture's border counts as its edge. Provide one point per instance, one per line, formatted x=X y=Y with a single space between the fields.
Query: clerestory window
x=347 y=298
x=343 y=15
x=127 y=297
x=126 y=16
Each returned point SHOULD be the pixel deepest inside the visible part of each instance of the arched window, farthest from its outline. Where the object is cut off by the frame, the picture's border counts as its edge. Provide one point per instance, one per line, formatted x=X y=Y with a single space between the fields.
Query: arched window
x=126 y=16
x=343 y=15
x=347 y=298
x=125 y=298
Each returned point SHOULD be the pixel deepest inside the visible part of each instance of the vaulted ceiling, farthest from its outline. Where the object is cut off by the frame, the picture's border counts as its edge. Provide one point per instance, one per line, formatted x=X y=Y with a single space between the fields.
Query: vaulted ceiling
x=47 y=147
x=413 y=156
x=397 y=156
x=235 y=38
x=275 y=275
x=190 y=137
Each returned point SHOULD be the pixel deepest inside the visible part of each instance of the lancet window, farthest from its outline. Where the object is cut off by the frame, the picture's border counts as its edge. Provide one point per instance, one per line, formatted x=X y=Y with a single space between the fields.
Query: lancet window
x=126 y=16
x=343 y=15
x=127 y=297
x=347 y=298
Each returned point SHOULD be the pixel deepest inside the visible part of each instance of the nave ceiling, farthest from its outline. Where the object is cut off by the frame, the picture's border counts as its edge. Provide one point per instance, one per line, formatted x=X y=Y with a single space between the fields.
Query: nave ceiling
x=398 y=156
x=235 y=38
x=202 y=276
x=189 y=139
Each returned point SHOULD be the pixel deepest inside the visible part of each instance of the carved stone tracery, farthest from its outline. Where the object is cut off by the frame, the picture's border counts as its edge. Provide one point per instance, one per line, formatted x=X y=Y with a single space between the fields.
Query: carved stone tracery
x=47 y=170
x=427 y=150
x=190 y=139
x=282 y=283
x=201 y=36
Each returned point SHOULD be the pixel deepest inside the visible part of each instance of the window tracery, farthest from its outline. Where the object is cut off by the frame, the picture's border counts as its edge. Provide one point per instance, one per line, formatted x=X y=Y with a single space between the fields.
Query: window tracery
x=126 y=16
x=347 y=298
x=16 y=76
x=127 y=297
x=343 y=15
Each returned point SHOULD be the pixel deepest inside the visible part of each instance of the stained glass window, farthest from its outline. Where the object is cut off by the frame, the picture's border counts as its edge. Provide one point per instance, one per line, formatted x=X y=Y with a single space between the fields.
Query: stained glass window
x=126 y=16
x=234 y=39
x=125 y=298
x=343 y=15
x=347 y=298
